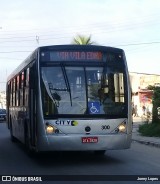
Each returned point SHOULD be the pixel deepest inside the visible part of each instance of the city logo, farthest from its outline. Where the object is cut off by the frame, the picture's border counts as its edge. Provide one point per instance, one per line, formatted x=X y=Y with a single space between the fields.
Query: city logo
x=66 y=122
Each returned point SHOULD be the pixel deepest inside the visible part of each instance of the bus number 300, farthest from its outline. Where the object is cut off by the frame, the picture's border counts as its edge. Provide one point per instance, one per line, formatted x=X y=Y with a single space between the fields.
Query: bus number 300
x=105 y=127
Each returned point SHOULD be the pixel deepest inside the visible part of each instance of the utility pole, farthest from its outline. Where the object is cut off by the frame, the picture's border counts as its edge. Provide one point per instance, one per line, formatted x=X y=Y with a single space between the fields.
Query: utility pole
x=37 y=39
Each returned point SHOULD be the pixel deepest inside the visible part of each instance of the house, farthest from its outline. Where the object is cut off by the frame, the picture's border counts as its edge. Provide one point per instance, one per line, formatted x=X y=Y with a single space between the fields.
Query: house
x=141 y=96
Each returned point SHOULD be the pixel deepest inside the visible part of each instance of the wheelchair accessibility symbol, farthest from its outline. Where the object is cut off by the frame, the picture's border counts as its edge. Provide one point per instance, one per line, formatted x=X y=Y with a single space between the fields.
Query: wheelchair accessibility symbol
x=94 y=107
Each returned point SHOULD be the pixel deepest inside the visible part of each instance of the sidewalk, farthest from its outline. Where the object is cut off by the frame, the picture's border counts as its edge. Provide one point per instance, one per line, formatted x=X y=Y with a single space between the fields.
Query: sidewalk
x=154 y=141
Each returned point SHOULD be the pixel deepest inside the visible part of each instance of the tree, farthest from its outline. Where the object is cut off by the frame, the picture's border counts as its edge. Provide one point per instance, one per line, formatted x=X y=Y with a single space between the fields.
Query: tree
x=150 y=87
x=156 y=104
x=82 y=40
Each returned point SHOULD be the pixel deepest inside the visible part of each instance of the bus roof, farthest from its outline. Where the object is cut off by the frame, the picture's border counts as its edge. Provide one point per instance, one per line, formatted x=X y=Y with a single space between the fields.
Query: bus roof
x=79 y=47
x=34 y=54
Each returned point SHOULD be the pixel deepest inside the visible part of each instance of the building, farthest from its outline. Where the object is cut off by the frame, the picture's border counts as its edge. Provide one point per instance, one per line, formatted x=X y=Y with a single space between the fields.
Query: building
x=2 y=100
x=141 y=96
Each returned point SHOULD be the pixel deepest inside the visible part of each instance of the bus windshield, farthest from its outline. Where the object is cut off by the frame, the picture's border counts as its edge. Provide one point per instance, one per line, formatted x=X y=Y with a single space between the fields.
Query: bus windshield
x=80 y=90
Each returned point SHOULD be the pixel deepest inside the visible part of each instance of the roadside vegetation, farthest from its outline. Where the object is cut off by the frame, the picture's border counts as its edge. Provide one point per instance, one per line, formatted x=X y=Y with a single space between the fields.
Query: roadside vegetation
x=153 y=129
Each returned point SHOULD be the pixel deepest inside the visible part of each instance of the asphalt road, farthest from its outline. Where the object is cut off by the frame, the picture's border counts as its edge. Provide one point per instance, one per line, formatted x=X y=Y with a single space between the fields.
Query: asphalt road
x=138 y=160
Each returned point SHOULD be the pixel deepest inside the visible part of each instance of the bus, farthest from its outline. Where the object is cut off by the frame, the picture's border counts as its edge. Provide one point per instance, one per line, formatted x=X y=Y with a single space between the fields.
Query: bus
x=71 y=98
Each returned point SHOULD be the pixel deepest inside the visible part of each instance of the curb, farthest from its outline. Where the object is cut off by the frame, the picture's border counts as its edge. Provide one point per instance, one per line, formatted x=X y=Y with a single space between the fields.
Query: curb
x=147 y=143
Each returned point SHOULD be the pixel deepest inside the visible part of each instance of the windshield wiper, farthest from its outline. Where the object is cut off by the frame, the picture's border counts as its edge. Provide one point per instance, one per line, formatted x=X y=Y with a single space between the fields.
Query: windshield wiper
x=67 y=82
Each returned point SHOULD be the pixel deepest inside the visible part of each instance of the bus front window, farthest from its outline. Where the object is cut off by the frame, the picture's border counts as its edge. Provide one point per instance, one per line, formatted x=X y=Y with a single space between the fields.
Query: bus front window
x=65 y=87
x=83 y=90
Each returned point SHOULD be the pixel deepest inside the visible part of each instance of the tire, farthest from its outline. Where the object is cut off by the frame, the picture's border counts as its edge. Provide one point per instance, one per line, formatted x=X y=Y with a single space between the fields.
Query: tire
x=27 y=141
x=30 y=151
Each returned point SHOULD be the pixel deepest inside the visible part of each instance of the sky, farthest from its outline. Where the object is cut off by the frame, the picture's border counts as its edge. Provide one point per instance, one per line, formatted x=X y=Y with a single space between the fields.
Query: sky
x=133 y=25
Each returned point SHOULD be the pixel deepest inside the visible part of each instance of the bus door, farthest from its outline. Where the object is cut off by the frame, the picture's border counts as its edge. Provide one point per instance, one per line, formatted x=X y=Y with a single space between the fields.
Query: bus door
x=32 y=104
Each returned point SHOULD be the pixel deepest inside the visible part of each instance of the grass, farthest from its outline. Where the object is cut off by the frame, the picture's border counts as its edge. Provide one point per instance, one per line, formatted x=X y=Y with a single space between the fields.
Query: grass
x=151 y=130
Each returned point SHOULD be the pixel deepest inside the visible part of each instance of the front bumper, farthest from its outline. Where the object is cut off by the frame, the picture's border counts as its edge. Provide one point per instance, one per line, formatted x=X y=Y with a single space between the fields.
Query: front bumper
x=74 y=142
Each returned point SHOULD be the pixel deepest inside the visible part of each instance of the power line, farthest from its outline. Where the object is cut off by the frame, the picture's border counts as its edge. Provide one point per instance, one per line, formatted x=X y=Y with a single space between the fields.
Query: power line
x=143 y=43
x=10 y=58
x=120 y=45
x=110 y=26
x=17 y=41
x=142 y=20
x=14 y=51
x=103 y=27
x=16 y=37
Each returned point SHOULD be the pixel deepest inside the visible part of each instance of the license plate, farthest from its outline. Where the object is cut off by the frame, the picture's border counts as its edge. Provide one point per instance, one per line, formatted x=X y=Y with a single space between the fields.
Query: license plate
x=89 y=139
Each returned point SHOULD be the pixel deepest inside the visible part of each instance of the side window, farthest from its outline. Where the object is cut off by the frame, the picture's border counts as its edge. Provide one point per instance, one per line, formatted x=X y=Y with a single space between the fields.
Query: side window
x=18 y=91
x=14 y=92
x=119 y=87
x=26 y=87
x=27 y=76
x=113 y=87
x=11 y=93
x=18 y=82
x=22 y=80
x=22 y=89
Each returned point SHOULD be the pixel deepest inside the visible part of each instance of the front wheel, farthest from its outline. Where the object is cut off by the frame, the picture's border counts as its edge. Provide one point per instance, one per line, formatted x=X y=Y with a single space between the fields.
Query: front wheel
x=27 y=141
x=30 y=151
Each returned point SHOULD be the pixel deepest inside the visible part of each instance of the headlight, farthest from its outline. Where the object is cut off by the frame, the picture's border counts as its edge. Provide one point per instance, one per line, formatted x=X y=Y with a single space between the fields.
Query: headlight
x=50 y=129
x=122 y=128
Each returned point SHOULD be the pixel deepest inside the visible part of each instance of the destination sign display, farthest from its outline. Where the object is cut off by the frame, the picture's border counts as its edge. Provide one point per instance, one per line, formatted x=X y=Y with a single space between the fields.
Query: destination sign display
x=72 y=56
